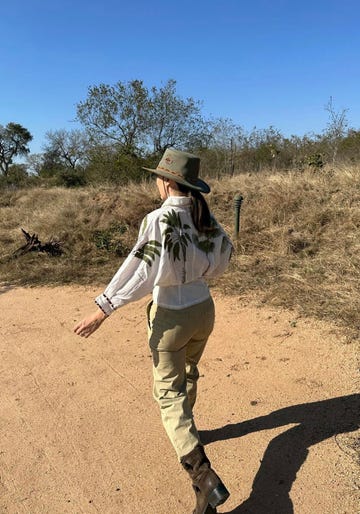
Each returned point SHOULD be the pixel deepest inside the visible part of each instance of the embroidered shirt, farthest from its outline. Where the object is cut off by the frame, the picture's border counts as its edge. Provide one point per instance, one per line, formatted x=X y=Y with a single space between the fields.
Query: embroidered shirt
x=171 y=259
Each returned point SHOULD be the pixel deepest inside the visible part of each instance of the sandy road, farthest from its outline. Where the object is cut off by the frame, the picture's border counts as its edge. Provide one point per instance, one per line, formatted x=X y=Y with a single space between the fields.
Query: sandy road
x=80 y=432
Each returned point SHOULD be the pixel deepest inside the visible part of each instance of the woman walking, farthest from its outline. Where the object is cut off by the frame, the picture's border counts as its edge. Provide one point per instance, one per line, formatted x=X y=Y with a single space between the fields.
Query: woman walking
x=179 y=246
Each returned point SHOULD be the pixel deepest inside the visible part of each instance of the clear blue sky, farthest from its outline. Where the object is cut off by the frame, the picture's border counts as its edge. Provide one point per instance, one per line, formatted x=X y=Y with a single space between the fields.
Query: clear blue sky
x=259 y=62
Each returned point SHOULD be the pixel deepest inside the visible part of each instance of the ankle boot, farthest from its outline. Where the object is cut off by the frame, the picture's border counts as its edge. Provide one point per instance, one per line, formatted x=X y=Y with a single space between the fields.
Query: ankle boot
x=209 y=489
x=202 y=507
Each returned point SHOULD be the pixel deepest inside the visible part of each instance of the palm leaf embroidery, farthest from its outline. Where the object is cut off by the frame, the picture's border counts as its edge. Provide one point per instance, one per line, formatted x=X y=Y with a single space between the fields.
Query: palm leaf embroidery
x=176 y=238
x=205 y=241
x=148 y=251
x=206 y=245
x=144 y=225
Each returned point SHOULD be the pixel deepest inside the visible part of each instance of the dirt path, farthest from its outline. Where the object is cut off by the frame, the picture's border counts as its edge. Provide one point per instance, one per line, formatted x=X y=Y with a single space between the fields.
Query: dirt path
x=80 y=432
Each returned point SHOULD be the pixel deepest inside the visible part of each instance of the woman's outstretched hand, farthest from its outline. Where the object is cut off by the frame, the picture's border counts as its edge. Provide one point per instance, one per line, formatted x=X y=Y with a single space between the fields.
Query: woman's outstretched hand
x=88 y=325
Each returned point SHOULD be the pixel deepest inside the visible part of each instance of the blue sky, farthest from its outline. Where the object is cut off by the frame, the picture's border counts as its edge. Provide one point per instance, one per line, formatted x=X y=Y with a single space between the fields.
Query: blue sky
x=257 y=62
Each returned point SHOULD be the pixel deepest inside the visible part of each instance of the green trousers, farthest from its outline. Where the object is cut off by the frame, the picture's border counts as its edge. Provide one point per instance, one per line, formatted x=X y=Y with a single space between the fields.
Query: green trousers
x=177 y=340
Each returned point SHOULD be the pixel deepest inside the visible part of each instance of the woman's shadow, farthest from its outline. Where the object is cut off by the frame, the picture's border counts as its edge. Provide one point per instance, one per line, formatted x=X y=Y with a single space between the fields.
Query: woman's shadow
x=287 y=452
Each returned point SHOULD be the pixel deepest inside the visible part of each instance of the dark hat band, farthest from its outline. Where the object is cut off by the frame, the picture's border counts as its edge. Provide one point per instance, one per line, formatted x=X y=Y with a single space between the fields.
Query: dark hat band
x=174 y=173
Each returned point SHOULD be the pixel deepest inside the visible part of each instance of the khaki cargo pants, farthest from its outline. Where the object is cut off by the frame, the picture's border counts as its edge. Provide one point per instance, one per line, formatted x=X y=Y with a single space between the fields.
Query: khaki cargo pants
x=177 y=340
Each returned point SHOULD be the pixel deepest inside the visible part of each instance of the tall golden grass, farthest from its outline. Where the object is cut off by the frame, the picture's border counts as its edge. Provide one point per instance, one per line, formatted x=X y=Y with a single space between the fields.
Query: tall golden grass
x=298 y=246
x=300 y=241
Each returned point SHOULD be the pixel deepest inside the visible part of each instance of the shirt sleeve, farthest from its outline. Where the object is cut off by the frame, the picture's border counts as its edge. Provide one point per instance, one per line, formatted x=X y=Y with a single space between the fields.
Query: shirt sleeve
x=136 y=276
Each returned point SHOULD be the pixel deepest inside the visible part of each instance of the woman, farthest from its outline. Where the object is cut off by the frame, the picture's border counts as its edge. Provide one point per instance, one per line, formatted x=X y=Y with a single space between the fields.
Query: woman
x=179 y=246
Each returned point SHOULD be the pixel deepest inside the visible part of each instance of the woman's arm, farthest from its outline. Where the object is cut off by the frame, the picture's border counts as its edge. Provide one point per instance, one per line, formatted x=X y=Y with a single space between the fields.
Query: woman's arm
x=133 y=280
x=88 y=325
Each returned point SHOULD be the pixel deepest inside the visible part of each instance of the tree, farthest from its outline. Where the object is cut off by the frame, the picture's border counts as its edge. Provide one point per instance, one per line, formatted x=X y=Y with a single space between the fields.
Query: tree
x=70 y=148
x=261 y=149
x=220 y=156
x=17 y=176
x=336 y=127
x=35 y=163
x=173 y=121
x=52 y=164
x=138 y=120
x=14 y=139
x=46 y=165
x=349 y=147
x=116 y=114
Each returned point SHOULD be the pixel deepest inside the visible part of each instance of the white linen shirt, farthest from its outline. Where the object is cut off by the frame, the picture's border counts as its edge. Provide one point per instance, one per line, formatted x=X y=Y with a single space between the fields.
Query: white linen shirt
x=171 y=259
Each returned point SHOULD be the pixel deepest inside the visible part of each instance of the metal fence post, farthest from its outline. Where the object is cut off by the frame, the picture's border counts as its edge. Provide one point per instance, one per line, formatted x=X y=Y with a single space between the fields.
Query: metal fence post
x=237 y=202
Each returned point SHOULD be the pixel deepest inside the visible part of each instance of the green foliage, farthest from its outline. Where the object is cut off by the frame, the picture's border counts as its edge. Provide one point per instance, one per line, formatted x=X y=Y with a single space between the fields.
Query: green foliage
x=135 y=118
x=174 y=121
x=116 y=114
x=107 y=164
x=14 y=140
x=16 y=176
x=69 y=177
x=49 y=165
x=315 y=161
x=349 y=147
x=109 y=239
x=53 y=171
x=128 y=126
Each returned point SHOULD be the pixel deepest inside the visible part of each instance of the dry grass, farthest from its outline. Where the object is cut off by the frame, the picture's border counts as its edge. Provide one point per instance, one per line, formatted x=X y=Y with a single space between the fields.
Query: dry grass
x=97 y=227
x=299 y=242
x=298 y=245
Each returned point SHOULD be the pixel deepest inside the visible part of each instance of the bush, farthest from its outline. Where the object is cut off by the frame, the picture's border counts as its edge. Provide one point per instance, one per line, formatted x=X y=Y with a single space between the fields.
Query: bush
x=109 y=165
x=71 y=178
x=110 y=239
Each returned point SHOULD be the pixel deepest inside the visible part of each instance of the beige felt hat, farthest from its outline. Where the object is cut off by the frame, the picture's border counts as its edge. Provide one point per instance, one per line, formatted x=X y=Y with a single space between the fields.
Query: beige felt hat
x=182 y=167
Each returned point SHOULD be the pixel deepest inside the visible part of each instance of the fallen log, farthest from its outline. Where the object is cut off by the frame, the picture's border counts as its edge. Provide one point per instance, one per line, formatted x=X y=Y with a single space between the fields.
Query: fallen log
x=33 y=244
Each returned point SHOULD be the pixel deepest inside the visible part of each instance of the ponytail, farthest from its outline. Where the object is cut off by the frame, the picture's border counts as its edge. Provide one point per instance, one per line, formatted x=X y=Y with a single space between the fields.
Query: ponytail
x=200 y=211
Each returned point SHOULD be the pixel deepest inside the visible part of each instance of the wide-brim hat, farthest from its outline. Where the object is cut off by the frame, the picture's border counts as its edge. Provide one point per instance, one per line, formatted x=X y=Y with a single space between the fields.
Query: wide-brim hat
x=183 y=168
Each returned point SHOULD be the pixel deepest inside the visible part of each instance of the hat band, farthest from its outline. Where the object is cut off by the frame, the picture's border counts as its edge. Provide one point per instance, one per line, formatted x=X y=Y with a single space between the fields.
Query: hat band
x=178 y=175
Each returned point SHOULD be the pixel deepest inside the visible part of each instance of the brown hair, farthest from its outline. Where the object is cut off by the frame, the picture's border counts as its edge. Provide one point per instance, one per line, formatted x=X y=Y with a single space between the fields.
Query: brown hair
x=200 y=211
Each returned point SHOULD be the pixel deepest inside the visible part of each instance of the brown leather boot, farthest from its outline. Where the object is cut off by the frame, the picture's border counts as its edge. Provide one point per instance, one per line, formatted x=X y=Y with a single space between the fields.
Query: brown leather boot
x=209 y=489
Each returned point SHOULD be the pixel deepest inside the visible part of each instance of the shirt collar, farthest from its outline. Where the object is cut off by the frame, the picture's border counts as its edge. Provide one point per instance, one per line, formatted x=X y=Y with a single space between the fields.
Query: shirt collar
x=177 y=201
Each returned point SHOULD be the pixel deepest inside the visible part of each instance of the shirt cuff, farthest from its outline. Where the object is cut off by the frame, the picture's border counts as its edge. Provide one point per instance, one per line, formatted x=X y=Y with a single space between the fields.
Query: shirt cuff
x=105 y=304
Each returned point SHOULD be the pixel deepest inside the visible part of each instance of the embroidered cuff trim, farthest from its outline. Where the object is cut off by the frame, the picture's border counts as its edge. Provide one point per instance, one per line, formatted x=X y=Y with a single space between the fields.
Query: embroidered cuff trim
x=97 y=303
x=109 y=302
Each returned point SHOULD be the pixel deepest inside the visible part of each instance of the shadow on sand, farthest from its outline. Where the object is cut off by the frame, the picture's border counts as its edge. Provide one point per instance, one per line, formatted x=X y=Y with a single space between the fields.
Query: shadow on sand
x=287 y=452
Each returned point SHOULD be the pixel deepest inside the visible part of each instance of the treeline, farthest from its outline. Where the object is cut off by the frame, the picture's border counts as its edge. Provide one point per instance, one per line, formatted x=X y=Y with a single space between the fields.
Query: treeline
x=127 y=125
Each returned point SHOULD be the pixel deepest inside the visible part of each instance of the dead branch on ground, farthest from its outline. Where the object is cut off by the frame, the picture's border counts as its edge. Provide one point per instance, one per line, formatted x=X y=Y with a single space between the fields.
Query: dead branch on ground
x=33 y=244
